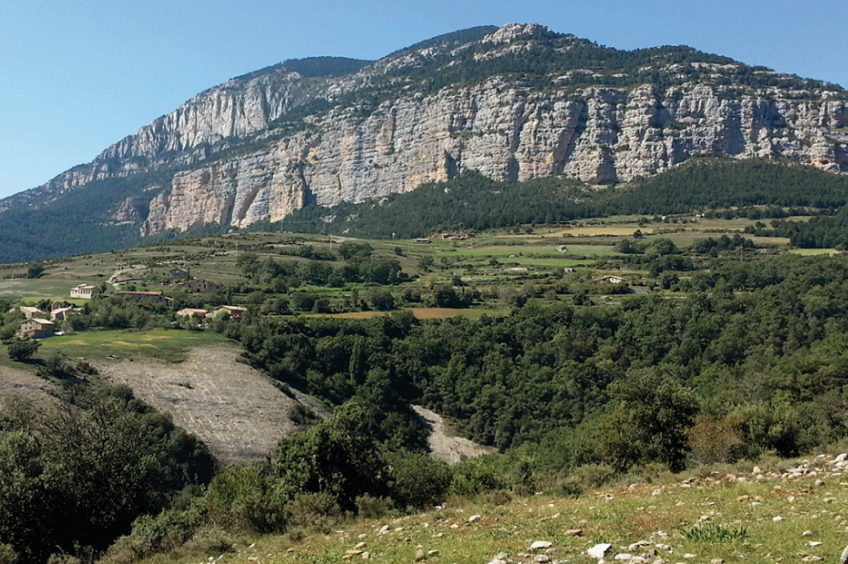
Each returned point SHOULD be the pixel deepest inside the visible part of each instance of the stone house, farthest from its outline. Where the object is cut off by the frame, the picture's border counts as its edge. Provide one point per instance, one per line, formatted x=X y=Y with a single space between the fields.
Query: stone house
x=61 y=313
x=189 y=311
x=201 y=286
x=235 y=311
x=30 y=312
x=610 y=280
x=37 y=329
x=85 y=291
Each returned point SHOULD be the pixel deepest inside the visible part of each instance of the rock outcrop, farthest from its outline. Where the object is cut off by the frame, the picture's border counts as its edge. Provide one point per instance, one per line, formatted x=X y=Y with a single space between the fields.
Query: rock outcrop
x=239 y=156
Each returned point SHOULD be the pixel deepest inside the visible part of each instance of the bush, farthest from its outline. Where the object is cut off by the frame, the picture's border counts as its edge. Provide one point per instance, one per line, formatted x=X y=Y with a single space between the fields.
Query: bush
x=716 y=440
x=8 y=554
x=245 y=496
x=416 y=480
x=210 y=541
x=337 y=456
x=314 y=511
x=372 y=507
x=472 y=477
x=166 y=531
x=21 y=351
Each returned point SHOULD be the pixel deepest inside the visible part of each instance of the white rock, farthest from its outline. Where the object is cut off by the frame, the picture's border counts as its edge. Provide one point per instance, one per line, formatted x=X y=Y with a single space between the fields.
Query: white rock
x=624 y=557
x=777 y=519
x=542 y=558
x=806 y=533
x=815 y=543
x=756 y=470
x=599 y=550
x=540 y=544
x=842 y=457
x=473 y=518
x=687 y=555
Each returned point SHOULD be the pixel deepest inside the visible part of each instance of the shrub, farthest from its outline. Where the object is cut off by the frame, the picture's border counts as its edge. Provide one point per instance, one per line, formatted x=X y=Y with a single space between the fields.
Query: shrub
x=210 y=540
x=716 y=440
x=8 y=554
x=245 y=496
x=416 y=480
x=372 y=507
x=472 y=477
x=21 y=351
x=314 y=511
x=337 y=456
x=166 y=531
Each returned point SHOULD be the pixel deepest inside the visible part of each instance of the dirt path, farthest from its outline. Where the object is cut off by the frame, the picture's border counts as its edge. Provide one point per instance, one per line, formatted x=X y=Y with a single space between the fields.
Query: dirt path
x=447 y=448
x=231 y=407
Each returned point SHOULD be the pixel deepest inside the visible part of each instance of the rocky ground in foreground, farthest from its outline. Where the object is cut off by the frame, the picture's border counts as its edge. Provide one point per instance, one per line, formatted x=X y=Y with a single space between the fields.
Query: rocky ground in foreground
x=779 y=511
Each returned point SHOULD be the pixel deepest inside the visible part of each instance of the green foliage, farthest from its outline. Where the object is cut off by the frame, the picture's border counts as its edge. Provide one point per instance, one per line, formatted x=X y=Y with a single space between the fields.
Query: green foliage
x=85 y=471
x=416 y=480
x=335 y=457
x=324 y=66
x=651 y=413
x=712 y=533
x=22 y=350
x=246 y=497
x=475 y=476
x=150 y=534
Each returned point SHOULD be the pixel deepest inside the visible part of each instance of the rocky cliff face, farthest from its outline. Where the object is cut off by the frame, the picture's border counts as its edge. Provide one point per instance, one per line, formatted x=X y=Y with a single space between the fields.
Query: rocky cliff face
x=580 y=123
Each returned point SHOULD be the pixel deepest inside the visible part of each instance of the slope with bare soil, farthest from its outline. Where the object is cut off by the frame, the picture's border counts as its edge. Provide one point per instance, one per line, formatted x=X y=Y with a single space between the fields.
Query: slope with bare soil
x=445 y=447
x=14 y=382
x=234 y=409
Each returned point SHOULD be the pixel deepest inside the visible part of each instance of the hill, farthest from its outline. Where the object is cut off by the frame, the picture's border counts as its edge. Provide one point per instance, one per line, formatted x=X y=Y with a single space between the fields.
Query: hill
x=518 y=103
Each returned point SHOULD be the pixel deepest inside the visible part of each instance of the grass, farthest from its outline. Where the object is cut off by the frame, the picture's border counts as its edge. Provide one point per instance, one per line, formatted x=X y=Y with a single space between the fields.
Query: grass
x=814 y=252
x=725 y=515
x=165 y=345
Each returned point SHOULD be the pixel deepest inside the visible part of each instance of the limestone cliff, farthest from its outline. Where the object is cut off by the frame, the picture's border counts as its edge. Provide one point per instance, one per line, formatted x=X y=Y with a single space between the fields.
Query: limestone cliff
x=264 y=145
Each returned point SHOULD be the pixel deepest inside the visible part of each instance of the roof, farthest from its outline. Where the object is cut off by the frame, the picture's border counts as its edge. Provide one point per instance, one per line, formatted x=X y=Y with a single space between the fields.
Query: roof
x=192 y=311
x=39 y=321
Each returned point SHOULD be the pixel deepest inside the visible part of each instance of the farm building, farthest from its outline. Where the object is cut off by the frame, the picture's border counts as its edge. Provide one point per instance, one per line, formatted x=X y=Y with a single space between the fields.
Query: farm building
x=37 y=329
x=201 y=286
x=234 y=311
x=610 y=280
x=85 y=291
x=189 y=311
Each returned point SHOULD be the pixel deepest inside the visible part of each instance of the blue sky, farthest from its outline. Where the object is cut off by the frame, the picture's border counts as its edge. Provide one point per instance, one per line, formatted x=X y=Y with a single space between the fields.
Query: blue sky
x=79 y=76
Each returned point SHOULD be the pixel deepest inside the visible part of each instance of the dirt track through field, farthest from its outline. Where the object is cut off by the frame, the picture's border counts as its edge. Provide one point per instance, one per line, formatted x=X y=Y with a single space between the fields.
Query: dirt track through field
x=234 y=409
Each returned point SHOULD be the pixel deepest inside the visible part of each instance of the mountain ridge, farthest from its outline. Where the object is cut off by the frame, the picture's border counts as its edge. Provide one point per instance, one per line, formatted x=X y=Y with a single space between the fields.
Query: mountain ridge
x=514 y=103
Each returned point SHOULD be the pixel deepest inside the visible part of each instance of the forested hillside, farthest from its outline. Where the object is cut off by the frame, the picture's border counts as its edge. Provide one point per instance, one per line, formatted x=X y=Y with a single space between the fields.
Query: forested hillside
x=473 y=201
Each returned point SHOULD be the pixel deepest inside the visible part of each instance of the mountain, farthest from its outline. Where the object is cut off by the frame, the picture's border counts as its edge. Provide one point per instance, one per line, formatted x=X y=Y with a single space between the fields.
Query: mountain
x=516 y=103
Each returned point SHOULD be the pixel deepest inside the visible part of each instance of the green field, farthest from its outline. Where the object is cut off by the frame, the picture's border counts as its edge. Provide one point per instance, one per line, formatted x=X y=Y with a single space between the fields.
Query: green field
x=99 y=346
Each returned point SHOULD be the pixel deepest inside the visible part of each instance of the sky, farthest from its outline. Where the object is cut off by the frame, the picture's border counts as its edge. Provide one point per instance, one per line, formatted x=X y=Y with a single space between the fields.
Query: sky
x=76 y=77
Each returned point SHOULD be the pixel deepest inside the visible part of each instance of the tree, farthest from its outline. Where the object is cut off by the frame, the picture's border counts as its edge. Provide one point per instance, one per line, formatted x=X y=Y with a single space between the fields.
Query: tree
x=381 y=299
x=35 y=270
x=651 y=414
x=22 y=350
x=337 y=457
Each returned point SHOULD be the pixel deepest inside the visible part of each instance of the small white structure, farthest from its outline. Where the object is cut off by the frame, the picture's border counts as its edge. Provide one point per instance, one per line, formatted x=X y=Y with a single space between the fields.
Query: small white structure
x=84 y=291
x=610 y=280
